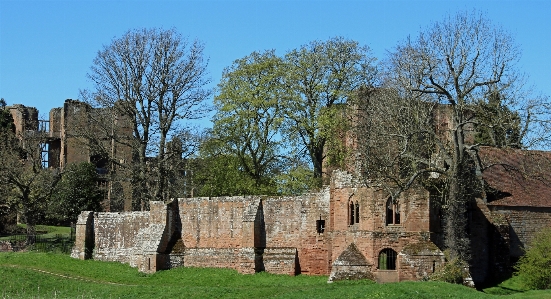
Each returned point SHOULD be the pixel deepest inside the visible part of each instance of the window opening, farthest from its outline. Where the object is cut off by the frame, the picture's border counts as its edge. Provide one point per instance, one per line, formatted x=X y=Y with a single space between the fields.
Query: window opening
x=351 y=214
x=101 y=163
x=392 y=212
x=320 y=225
x=44 y=151
x=387 y=259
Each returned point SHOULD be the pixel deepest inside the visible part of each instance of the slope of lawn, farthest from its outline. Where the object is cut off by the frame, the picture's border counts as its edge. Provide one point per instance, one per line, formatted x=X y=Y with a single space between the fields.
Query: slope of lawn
x=48 y=275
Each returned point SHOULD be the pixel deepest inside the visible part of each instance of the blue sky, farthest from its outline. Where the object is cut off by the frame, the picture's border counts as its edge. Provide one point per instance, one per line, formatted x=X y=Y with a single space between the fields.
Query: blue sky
x=47 y=47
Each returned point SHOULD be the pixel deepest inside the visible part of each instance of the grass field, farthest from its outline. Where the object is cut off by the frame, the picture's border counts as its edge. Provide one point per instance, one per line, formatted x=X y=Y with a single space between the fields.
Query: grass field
x=48 y=239
x=49 y=275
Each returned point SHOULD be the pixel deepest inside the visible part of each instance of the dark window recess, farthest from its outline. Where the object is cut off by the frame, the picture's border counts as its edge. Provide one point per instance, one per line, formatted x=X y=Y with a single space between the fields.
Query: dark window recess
x=101 y=163
x=387 y=259
x=320 y=226
x=357 y=213
x=353 y=213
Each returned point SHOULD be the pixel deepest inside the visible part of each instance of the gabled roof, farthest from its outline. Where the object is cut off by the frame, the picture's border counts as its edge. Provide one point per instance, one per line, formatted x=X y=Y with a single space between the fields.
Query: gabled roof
x=517 y=177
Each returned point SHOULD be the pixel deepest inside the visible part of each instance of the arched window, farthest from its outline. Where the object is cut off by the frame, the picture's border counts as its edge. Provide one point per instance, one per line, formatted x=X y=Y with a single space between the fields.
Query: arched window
x=387 y=259
x=392 y=212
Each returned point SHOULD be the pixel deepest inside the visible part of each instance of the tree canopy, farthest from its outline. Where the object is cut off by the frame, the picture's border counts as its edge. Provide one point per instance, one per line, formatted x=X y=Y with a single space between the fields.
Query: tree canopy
x=249 y=115
x=77 y=191
x=320 y=77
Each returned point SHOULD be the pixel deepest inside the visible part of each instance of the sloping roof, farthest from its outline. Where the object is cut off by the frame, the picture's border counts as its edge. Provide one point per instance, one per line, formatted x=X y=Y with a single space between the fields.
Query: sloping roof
x=351 y=256
x=517 y=177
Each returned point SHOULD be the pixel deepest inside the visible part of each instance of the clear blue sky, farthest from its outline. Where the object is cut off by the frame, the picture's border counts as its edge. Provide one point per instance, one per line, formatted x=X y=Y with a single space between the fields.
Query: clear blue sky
x=47 y=47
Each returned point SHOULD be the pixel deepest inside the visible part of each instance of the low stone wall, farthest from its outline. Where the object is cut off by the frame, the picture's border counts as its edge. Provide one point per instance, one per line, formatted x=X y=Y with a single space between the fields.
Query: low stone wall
x=241 y=259
x=280 y=260
x=419 y=260
x=115 y=235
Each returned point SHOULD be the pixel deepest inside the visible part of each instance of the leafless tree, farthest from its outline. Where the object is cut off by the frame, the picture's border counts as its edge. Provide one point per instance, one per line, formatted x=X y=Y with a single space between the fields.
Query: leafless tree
x=445 y=93
x=157 y=80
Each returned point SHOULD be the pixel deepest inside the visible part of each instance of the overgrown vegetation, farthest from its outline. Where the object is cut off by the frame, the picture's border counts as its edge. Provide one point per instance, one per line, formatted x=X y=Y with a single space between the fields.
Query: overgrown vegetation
x=453 y=271
x=534 y=267
x=40 y=275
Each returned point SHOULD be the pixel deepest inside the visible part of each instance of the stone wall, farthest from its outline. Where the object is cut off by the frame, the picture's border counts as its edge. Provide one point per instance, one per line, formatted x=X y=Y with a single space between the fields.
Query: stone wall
x=115 y=235
x=24 y=118
x=84 y=236
x=218 y=222
x=5 y=246
x=524 y=223
x=275 y=234
x=306 y=234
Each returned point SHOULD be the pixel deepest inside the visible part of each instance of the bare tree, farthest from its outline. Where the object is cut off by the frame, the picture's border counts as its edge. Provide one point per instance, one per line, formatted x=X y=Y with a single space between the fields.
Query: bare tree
x=156 y=79
x=457 y=78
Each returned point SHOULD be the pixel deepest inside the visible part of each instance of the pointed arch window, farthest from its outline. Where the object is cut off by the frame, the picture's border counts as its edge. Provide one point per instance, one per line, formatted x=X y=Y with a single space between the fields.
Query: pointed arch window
x=392 y=212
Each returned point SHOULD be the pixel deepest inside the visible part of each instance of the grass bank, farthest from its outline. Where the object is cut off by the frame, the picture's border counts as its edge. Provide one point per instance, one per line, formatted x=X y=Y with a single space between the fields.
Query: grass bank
x=48 y=275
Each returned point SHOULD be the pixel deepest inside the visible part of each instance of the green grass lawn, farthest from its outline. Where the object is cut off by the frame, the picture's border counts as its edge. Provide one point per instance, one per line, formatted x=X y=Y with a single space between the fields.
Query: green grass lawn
x=48 y=275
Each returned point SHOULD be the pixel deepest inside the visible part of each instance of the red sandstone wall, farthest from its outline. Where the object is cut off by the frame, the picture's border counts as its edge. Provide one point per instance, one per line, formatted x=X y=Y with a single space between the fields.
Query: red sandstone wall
x=241 y=259
x=216 y=222
x=371 y=234
x=229 y=223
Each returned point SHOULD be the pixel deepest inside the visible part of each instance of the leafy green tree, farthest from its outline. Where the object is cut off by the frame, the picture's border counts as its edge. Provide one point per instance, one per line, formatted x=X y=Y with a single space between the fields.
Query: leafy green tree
x=296 y=180
x=7 y=128
x=535 y=265
x=6 y=120
x=249 y=115
x=26 y=185
x=217 y=172
x=77 y=191
x=320 y=76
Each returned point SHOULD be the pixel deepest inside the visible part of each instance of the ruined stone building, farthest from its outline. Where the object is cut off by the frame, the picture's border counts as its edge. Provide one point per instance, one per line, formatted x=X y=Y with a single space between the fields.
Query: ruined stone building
x=346 y=230
x=64 y=140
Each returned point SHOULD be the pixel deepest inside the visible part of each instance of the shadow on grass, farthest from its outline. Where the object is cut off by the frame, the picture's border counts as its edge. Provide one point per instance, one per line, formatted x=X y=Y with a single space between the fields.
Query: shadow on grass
x=513 y=285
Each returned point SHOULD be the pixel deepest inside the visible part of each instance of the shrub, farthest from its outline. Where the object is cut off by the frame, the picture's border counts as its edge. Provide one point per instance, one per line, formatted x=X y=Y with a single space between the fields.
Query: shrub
x=453 y=271
x=534 y=266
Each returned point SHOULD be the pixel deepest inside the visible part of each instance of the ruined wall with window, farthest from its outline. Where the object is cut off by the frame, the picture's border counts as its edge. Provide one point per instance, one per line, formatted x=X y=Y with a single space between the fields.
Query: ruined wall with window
x=342 y=229
x=382 y=229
